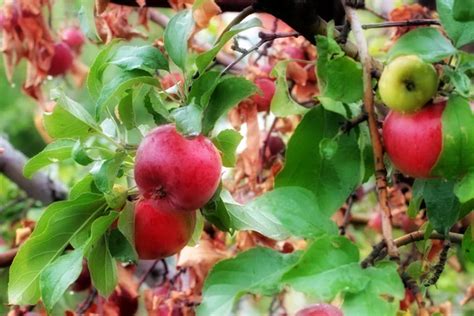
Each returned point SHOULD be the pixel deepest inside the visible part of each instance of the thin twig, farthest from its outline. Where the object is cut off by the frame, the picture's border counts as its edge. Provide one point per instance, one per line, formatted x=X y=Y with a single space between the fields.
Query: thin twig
x=380 y=171
x=379 y=250
x=347 y=215
x=401 y=24
x=84 y=306
x=239 y=18
x=350 y=124
x=439 y=266
x=147 y=273
x=264 y=38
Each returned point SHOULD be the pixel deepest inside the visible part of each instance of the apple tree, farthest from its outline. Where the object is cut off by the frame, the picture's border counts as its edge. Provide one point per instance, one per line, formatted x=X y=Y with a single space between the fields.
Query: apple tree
x=237 y=157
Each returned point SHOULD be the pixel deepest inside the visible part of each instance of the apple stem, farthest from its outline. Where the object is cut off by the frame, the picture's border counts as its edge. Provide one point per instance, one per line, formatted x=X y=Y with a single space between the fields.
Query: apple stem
x=380 y=170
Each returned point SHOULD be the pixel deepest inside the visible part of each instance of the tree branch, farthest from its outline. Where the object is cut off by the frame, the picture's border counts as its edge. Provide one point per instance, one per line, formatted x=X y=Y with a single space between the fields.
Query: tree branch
x=40 y=187
x=380 y=171
x=401 y=24
x=379 y=250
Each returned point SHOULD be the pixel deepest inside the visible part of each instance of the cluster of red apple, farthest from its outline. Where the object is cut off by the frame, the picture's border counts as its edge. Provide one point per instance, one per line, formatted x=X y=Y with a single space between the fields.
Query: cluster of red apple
x=412 y=131
x=176 y=176
x=72 y=40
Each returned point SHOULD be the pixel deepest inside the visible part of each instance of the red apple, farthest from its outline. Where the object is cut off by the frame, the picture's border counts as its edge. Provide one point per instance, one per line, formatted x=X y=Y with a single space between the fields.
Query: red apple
x=83 y=282
x=294 y=52
x=184 y=172
x=320 y=310
x=414 y=141
x=375 y=222
x=62 y=60
x=171 y=79
x=73 y=37
x=160 y=230
x=263 y=98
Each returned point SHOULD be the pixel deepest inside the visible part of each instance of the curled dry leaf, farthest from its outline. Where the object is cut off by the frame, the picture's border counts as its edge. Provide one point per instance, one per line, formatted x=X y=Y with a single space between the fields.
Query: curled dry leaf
x=204 y=14
x=113 y=23
x=405 y=13
x=200 y=259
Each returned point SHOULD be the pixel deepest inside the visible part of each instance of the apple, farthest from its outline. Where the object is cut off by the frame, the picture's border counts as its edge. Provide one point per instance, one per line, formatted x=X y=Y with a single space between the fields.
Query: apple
x=375 y=222
x=185 y=172
x=320 y=310
x=263 y=98
x=414 y=141
x=161 y=230
x=73 y=37
x=408 y=83
x=61 y=61
x=171 y=79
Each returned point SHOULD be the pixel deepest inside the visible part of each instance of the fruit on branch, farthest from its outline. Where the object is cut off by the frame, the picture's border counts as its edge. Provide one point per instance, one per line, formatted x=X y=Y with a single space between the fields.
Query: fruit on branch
x=61 y=61
x=73 y=37
x=161 y=230
x=263 y=98
x=172 y=79
x=408 y=83
x=276 y=145
x=320 y=310
x=375 y=222
x=183 y=172
x=414 y=141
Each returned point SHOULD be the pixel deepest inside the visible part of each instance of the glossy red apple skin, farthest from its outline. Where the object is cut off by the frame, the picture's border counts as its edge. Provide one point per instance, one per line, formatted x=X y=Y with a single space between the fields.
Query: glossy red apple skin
x=320 y=310
x=263 y=98
x=414 y=141
x=61 y=61
x=73 y=37
x=160 y=230
x=184 y=172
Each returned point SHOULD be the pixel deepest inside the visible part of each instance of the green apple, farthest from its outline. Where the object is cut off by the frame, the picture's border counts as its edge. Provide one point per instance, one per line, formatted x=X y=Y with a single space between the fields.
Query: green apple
x=408 y=83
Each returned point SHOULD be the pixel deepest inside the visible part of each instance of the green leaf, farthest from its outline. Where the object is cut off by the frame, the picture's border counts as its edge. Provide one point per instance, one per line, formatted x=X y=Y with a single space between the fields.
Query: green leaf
x=126 y=223
x=102 y=267
x=229 y=92
x=98 y=228
x=80 y=155
x=216 y=213
x=196 y=236
x=87 y=19
x=425 y=42
x=324 y=276
x=331 y=180
x=282 y=103
x=381 y=296
x=126 y=112
x=188 y=119
x=85 y=185
x=203 y=87
x=457 y=156
x=147 y=58
x=459 y=79
x=69 y=120
x=281 y=213
x=227 y=142
x=176 y=36
x=114 y=91
x=441 y=204
x=58 y=225
x=54 y=152
x=106 y=172
x=204 y=59
x=58 y=276
x=464 y=189
x=334 y=72
x=154 y=106
x=468 y=244
x=120 y=248
x=256 y=271
x=417 y=198
x=461 y=33
x=463 y=10
x=334 y=106
x=100 y=63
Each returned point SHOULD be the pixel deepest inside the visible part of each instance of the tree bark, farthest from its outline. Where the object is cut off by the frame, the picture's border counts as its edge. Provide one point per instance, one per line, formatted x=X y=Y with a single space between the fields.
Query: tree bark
x=40 y=187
